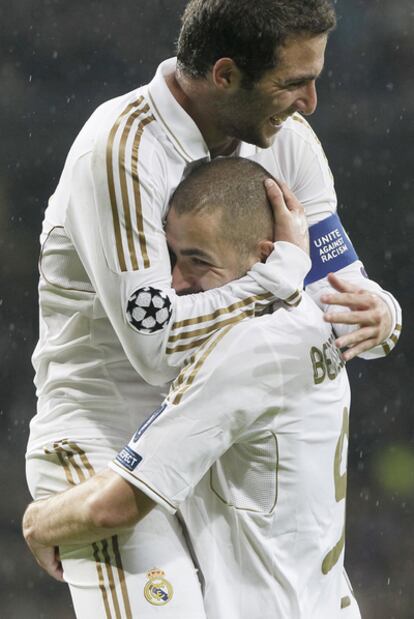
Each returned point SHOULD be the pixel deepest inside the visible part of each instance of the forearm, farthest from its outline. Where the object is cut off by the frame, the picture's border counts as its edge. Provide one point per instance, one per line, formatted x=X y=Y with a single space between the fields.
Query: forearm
x=86 y=513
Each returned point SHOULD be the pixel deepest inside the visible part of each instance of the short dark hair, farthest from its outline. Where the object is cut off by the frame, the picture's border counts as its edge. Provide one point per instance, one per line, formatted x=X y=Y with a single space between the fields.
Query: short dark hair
x=247 y=31
x=233 y=187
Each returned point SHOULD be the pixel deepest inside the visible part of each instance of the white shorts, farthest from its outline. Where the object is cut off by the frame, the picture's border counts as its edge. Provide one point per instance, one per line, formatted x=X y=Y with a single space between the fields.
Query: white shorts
x=144 y=573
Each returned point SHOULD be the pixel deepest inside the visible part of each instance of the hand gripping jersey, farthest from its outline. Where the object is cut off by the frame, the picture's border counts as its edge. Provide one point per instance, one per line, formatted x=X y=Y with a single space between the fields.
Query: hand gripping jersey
x=109 y=319
x=251 y=445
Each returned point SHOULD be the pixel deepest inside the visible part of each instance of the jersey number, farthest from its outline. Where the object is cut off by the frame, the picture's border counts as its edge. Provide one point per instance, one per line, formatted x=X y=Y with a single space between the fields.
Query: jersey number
x=340 y=492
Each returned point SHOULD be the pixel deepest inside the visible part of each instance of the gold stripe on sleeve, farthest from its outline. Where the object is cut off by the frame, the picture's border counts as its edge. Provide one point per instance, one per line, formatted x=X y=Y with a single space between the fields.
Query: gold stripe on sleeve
x=386 y=349
x=137 y=192
x=176 y=343
x=389 y=345
x=182 y=375
x=185 y=370
x=224 y=310
x=132 y=112
x=111 y=181
x=294 y=299
x=196 y=343
x=136 y=188
x=123 y=183
x=196 y=332
x=176 y=396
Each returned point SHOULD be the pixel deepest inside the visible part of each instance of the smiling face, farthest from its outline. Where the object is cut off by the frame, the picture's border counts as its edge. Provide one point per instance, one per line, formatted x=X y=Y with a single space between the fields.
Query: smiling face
x=256 y=114
x=204 y=259
x=219 y=224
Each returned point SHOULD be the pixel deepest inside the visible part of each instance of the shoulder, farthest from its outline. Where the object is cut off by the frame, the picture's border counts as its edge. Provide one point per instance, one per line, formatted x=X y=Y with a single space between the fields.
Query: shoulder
x=236 y=349
x=287 y=328
x=114 y=126
x=297 y=129
x=126 y=136
x=248 y=357
x=287 y=332
x=297 y=144
x=124 y=120
x=296 y=156
x=228 y=360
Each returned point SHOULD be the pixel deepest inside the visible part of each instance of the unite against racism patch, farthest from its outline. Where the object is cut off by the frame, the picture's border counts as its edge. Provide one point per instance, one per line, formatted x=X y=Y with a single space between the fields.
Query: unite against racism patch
x=330 y=249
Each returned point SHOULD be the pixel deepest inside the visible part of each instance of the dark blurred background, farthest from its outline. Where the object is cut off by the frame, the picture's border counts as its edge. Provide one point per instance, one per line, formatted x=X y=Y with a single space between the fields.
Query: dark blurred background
x=59 y=60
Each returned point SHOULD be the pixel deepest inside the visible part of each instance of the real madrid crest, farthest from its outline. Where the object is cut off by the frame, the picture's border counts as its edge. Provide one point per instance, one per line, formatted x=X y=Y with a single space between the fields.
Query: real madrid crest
x=157 y=591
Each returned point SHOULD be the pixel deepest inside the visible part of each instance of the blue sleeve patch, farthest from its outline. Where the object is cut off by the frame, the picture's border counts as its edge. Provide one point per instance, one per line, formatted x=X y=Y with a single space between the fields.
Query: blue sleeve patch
x=128 y=458
x=330 y=249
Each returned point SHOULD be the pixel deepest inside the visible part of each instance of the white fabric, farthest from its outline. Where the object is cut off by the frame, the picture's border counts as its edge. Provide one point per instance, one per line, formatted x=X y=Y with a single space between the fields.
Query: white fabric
x=103 y=238
x=111 y=579
x=250 y=447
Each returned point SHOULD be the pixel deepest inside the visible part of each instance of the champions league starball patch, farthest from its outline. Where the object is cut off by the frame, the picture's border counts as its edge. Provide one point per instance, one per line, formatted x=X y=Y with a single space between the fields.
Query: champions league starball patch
x=148 y=310
x=157 y=591
x=330 y=249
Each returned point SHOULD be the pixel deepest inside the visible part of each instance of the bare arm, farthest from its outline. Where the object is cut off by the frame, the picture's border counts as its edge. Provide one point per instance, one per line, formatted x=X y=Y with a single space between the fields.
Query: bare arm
x=91 y=511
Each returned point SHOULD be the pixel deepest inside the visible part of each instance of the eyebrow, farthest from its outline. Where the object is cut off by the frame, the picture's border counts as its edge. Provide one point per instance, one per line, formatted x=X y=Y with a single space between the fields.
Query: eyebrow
x=195 y=252
x=300 y=79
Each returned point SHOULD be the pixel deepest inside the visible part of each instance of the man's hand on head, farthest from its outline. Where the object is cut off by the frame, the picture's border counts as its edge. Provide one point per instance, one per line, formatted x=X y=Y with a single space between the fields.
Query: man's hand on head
x=367 y=310
x=289 y=215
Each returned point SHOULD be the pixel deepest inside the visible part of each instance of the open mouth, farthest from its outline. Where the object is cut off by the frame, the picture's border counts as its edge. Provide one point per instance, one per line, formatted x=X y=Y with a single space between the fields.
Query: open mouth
x=277 y=121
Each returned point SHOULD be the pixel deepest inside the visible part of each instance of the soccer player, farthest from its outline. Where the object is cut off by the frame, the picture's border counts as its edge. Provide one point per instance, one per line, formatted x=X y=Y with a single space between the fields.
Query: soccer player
x=110 y=323
x=251 y=441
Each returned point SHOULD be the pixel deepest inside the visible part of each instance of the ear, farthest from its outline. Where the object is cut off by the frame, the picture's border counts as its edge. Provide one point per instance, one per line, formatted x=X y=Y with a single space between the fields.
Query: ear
x=225 y=74
x=264 y=248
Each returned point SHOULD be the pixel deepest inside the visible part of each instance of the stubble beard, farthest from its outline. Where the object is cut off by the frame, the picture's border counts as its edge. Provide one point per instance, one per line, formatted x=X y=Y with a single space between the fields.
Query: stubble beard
x=237 y=123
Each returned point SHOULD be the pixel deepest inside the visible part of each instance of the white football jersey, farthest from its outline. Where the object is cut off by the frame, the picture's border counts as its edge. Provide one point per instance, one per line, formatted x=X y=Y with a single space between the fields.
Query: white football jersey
x=109 y=320
x=251 y=445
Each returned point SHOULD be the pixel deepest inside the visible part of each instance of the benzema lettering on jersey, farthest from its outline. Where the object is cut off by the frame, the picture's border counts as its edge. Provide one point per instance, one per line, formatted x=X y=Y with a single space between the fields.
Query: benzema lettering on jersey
x=148 y=310
x=157 y=591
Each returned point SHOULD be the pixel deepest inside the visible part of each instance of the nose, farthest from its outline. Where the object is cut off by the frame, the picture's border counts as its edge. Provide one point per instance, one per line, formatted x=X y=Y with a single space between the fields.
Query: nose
x=308 y=99
x=180 y=283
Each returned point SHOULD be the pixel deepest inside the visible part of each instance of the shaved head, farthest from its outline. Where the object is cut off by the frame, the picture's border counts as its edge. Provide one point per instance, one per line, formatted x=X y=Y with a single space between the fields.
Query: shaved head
x=231 y=188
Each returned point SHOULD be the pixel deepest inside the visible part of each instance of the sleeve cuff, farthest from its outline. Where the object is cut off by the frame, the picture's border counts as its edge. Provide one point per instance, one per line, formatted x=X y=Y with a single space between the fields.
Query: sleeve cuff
x=384 y=349
x=284 y=272
x=144 y=486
